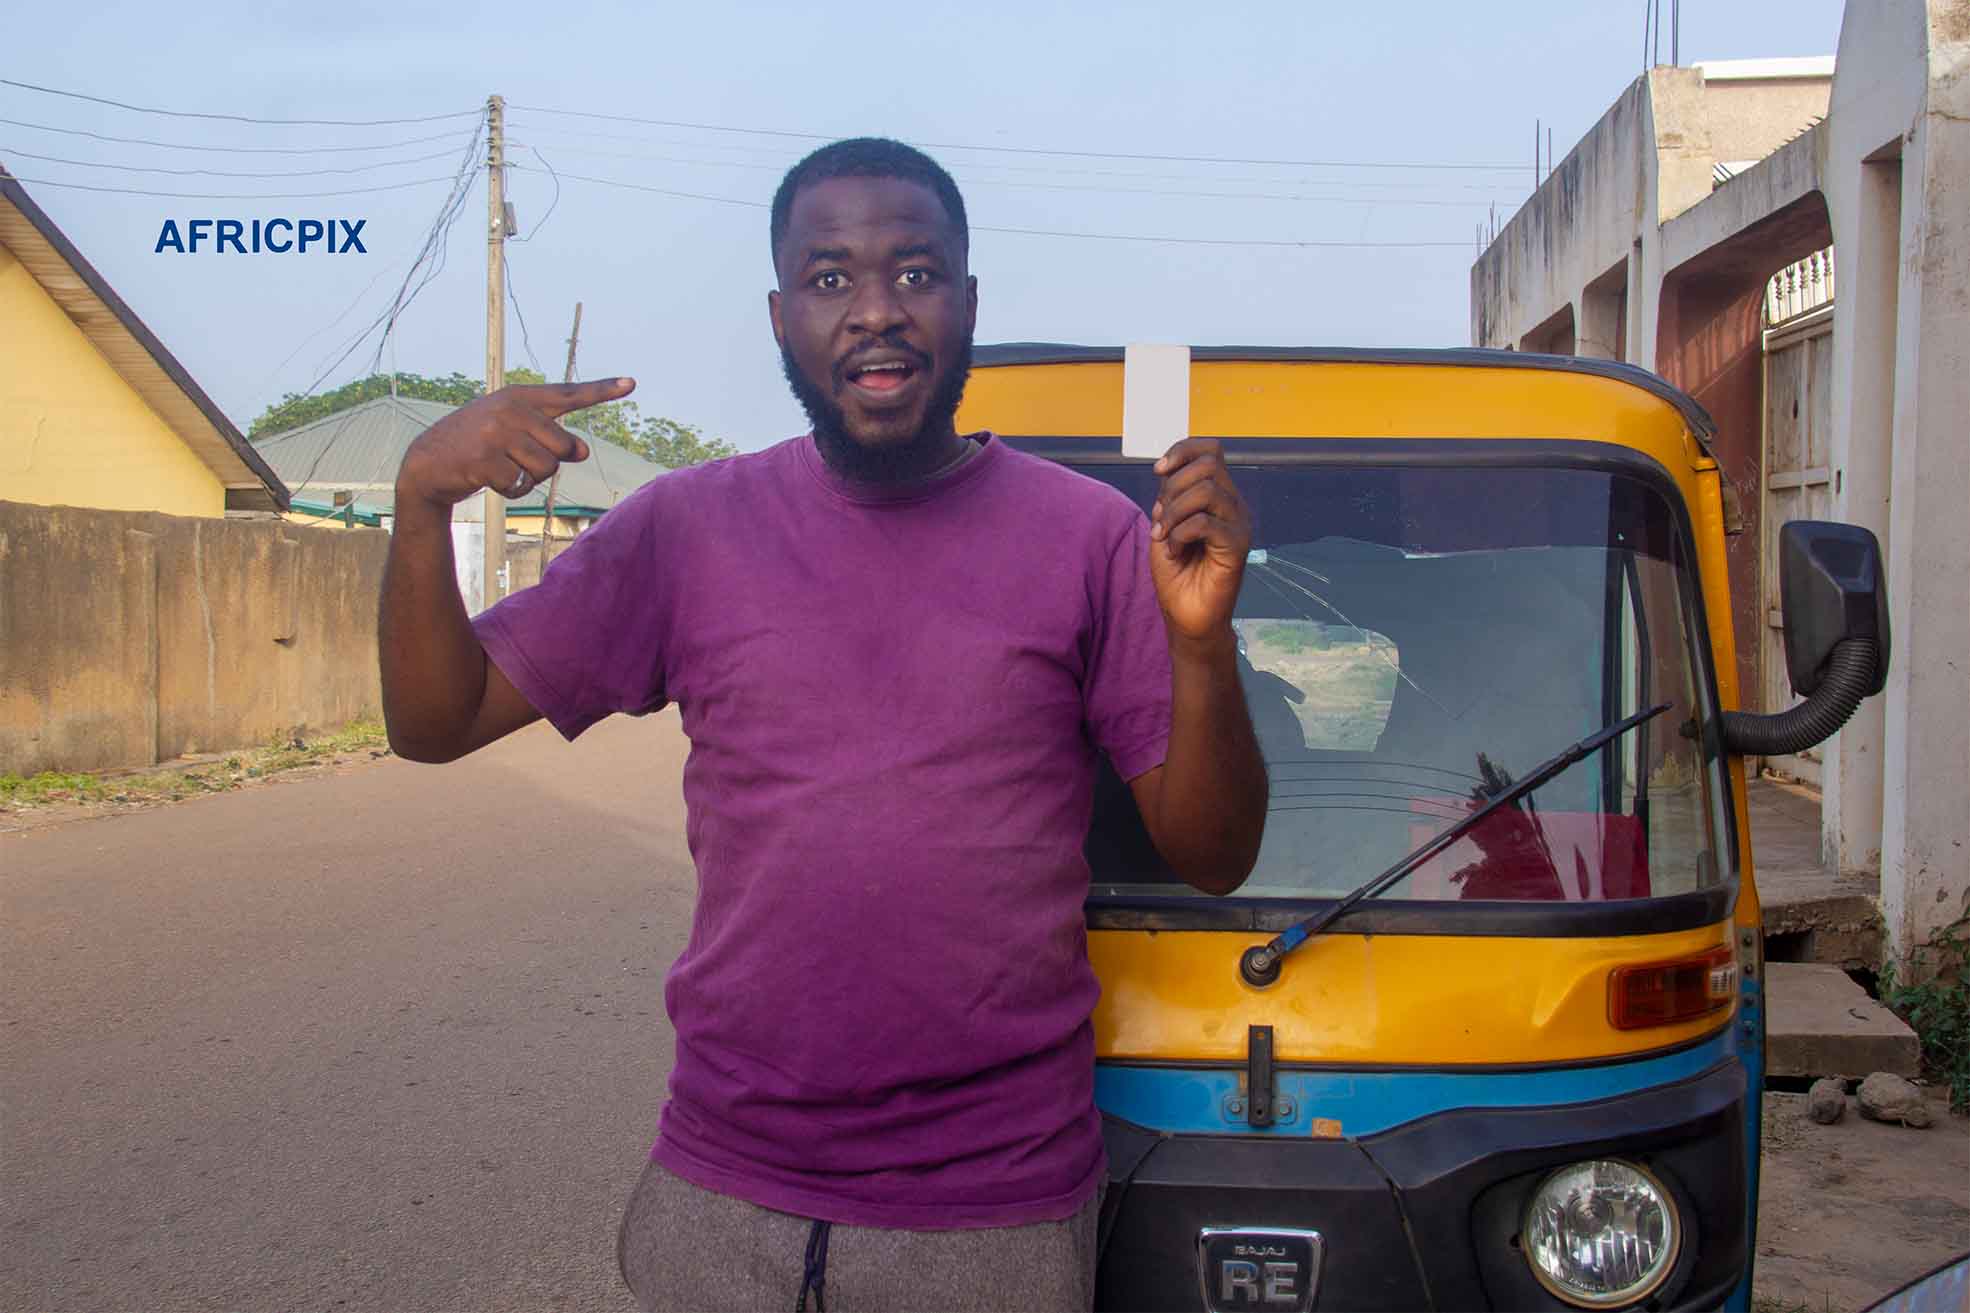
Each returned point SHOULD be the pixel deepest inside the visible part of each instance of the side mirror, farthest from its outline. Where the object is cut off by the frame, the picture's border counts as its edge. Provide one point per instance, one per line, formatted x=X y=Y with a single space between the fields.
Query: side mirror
x=1833 y=588
x=1835 y=595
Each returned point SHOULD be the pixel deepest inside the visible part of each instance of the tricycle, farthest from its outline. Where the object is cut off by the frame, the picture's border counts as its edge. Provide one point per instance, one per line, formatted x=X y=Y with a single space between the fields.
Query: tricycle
x=1485 y=1026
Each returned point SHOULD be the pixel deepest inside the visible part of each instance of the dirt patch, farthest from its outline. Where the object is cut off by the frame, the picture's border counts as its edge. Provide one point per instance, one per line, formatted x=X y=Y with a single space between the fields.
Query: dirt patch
x=99 y=796
x=1849 y=1212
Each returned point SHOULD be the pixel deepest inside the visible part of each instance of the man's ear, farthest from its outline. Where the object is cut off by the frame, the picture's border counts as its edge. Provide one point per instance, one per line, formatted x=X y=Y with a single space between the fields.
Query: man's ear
x=970 y=304
x=773 y=313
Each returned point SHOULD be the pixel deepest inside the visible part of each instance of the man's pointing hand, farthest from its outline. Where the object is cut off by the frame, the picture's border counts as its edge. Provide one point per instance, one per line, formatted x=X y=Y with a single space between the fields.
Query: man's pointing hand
x=506 y=441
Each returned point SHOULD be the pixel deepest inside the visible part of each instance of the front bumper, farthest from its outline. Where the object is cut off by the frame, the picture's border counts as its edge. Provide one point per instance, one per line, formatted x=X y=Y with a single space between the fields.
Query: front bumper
x=1426 y=1214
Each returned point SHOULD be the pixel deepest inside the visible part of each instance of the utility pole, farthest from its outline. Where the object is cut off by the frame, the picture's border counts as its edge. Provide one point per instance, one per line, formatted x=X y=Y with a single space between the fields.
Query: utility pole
x=554 y=484
x=495 y=505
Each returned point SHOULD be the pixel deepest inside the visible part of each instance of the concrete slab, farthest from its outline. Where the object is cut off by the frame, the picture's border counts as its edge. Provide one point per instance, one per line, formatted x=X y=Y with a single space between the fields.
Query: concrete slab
x=1812 y=914
x=1818 y=1022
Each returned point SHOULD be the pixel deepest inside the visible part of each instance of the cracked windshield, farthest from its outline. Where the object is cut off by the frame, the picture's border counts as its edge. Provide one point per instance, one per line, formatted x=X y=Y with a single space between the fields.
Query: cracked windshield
x=1413 y=640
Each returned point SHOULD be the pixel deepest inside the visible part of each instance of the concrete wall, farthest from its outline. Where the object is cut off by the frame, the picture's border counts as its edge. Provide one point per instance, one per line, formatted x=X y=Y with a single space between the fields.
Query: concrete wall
x=1750 y=116
x=72 y=431
x=1898 y=187
x=523 y=559
x=131 y=638
x=1602 y=220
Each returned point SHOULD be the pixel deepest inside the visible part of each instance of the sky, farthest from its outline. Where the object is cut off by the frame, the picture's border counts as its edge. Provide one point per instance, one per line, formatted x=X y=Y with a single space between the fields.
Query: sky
x=1261 y=134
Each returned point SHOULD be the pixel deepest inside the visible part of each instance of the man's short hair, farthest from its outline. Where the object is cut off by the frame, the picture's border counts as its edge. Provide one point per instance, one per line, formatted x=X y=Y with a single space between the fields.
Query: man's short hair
x=867 y=157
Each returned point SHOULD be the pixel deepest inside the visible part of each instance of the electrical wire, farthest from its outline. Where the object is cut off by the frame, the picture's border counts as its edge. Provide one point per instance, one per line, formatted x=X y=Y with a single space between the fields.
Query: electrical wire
x=660 y=191
x=225 y=196
x=551 y=204
x=238 y=118
x=430 y=257
x=786 y=160
x=1034 y=150
x=1040 y=232
x=241 y=150
x=224 y=173
x=1058 y=186
x=526 y=338
x=268 y=382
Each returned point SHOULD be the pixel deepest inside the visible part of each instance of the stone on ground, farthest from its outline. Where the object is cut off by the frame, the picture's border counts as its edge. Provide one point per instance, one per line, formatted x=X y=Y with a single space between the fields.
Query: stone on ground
x=1886 y=1097
x=1826 y=1102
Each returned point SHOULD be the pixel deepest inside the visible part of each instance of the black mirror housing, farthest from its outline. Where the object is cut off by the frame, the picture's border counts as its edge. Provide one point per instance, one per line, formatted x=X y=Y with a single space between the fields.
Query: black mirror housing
x=1833 y=587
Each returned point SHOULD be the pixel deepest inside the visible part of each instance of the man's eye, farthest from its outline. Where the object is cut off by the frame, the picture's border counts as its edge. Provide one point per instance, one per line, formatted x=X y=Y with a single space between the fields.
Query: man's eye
x=915 y=277
x=831 y=281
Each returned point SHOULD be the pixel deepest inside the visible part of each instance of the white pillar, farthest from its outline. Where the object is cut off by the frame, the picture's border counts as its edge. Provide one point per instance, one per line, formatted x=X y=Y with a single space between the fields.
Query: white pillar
x=1925 y=836
x=1867 y=242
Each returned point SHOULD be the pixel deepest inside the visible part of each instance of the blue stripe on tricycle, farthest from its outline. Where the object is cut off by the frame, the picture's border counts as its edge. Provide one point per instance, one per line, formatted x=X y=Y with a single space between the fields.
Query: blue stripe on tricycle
x=1209 y=1100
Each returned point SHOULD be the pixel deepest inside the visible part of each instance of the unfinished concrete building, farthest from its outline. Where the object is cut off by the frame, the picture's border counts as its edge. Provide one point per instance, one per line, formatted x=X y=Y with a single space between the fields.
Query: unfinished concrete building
x=1697 y=231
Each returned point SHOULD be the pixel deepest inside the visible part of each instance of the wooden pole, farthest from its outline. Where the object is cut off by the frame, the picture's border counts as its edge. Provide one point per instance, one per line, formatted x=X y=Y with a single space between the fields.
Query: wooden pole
x=495 y=505
x=554 y=484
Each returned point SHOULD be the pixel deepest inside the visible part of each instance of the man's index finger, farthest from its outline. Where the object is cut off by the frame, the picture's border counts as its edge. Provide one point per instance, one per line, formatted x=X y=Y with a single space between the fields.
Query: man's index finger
x=556 y=399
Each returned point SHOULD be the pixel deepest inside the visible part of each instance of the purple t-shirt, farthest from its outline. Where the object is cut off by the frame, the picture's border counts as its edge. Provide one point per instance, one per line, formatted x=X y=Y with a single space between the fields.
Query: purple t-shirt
x=894 y=702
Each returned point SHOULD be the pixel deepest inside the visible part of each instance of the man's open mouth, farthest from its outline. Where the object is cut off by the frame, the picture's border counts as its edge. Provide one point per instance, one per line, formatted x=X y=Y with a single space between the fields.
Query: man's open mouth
x=881 y=376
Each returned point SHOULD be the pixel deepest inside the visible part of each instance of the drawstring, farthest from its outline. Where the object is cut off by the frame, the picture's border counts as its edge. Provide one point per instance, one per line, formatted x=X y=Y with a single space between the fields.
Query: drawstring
x=816 y=1274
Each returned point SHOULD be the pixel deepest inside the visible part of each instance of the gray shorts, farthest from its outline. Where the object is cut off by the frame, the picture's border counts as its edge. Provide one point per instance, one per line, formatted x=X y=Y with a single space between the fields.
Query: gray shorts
x=683 y=1247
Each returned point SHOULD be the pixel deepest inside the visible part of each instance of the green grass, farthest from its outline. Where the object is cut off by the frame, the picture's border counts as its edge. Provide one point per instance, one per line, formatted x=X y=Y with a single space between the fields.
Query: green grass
x=283 y=752
x=1938 y=1011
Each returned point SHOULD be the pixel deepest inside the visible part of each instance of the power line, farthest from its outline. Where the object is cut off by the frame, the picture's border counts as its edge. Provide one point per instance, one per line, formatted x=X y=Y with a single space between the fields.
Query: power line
x=237 y=118
x=1034 y=150
x=224 y=173
x=1035 y=232
x=237 y=150
x=431 y=256
x=226 y=196
x=550 y=205
x=268 y=381
x=1068 y=186
x=526 y=338
x=1215 y=241
x=786 y=160
x=660 y=191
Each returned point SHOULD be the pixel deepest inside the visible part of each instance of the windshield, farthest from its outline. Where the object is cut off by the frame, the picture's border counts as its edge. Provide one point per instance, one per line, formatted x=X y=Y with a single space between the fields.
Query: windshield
x=1414 y=639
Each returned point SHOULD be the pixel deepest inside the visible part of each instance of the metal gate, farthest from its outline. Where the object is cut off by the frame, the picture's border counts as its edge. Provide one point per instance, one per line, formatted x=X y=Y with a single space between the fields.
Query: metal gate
x=1797 y=478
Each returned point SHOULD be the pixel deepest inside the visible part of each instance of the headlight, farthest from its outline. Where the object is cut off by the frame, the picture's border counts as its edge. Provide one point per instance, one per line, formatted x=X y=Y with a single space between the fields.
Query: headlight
x=1600 y=1234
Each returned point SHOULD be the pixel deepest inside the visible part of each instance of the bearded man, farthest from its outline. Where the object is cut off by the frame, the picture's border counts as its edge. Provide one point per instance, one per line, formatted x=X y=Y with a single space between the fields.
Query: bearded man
x=896 y=651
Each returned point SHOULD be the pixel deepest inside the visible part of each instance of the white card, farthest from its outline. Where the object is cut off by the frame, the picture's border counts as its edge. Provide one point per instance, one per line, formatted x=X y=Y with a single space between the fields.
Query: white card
x=1155 y=398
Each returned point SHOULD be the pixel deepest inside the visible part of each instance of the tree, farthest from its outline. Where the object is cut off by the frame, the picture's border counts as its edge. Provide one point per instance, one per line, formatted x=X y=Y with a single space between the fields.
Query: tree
x=294 y=409
x=665 y=441
x=668 y=442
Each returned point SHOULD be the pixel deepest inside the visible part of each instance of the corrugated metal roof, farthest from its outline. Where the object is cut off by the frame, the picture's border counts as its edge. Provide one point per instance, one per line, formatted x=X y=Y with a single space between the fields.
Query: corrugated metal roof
x=359 y=449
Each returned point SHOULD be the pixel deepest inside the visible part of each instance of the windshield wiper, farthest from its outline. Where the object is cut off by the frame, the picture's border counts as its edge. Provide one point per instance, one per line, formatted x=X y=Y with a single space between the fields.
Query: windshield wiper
x=1259 y=965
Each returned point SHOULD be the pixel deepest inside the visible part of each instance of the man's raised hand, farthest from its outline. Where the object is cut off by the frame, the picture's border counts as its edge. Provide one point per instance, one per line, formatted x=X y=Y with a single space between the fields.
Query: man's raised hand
x=506 y=441
x=1200 y=532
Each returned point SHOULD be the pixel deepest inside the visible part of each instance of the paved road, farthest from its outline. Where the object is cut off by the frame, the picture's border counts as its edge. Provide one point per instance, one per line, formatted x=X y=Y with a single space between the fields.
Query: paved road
x=394 y=1040
x=391 y=1039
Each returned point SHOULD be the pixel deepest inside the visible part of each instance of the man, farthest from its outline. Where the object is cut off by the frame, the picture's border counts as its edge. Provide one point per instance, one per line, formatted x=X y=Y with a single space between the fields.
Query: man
x=896 y=652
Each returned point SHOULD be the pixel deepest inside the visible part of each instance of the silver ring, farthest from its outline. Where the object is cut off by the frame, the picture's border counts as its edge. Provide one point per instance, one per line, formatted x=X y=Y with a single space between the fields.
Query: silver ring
x=520 y=485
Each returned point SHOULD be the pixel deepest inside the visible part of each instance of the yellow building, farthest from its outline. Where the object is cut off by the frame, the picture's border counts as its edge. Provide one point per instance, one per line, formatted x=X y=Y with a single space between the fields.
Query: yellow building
x=94 y=411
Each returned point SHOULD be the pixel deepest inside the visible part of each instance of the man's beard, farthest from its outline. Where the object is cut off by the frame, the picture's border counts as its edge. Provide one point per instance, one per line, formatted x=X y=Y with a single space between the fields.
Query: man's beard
x=886 y=462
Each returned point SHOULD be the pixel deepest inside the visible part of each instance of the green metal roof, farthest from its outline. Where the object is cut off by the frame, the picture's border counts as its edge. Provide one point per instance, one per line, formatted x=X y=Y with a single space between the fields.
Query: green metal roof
x=359 y=449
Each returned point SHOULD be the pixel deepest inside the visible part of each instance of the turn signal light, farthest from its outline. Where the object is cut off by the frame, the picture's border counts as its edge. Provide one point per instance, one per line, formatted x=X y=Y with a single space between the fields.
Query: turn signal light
x=1662 y=993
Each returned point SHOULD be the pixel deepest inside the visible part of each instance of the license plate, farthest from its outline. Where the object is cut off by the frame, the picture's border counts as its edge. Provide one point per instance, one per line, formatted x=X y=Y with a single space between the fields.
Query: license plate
x=1258 y=1268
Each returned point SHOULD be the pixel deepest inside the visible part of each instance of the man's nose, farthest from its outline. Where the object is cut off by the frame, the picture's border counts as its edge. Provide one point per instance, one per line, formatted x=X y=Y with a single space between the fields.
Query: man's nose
x=877 y=308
